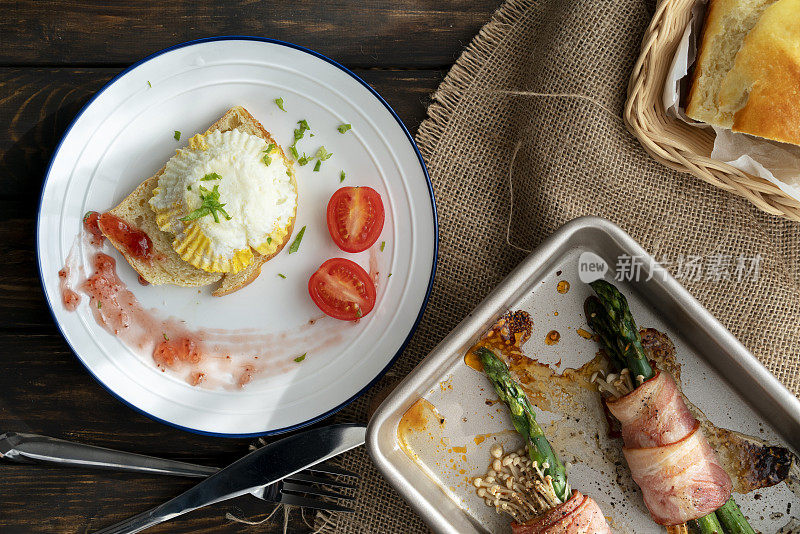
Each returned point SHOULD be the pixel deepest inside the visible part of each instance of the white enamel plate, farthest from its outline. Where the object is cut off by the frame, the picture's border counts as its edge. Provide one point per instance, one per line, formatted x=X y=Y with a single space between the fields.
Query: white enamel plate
x=125 y=134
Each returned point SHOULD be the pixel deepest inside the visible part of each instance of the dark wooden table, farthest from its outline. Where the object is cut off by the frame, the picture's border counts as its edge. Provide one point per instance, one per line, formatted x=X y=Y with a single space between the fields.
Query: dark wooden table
x=53 y=57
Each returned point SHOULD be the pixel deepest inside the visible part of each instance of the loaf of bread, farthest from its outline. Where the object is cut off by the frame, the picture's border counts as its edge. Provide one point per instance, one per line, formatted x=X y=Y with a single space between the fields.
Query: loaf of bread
x=761 y=94
x=169 y=267
x=747 y=75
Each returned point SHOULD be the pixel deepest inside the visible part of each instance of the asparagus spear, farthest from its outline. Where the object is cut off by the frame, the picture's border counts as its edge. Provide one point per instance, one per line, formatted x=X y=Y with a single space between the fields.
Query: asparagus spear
x=524 y=419
x=624 y=328
x=708 y=524
x=620 y=337
x=598 y=321
x=732 y=519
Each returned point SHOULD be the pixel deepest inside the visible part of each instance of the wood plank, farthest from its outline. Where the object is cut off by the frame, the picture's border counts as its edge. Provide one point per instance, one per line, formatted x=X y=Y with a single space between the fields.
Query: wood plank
x=398 y=33
x=47 y=500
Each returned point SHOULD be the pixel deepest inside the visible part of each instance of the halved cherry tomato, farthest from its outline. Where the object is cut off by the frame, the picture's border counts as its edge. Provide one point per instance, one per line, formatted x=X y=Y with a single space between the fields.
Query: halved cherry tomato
x=342 y=289
x=355 y=218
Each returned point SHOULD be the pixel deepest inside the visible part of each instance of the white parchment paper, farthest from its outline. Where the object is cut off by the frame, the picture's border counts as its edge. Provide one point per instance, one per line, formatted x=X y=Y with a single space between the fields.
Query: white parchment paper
x=777 y=162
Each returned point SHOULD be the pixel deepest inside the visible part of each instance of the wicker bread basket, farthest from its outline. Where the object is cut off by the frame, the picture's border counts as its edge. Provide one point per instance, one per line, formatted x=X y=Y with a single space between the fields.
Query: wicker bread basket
x=675 y=143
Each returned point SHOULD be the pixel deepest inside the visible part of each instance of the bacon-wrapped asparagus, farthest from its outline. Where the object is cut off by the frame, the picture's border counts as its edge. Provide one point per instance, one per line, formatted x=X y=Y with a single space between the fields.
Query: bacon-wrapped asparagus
x=534 y=490
x=679 y=474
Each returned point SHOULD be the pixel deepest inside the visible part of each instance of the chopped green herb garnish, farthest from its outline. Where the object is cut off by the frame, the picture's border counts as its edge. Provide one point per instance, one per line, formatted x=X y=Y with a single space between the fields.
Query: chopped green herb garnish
x=282 y=275
x=149 y=84
x=269 y=240
x=301 y=358
x=311 y=135
x=358 y=311
x=300 y=132
x=296 y=243
x=383 y=245
x=189 y=187
x=177 y=135
x=317 y=166
x=211 y=176
x=323 y=154
x=341 y=177
x=303 y=160
x=99 y=304
x=165 y=336
x=389 y=276
x=267 y=159
x=279 y=103
x=343 y=128
x=210 y=205
x=288 y=173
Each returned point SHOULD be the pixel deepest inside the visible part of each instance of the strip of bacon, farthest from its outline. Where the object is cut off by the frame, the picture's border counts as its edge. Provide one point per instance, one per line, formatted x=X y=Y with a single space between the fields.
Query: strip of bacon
x=579 y=515
x=680 y=476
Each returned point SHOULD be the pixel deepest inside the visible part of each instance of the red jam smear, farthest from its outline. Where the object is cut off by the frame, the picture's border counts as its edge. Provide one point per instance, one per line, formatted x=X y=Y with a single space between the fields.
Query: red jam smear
x=171 y=353
x=196 y=378
x=113 y=306
x=91 y=224
x=104 y=284
x=136 y=243
x=172 y=345
x=69 y=297
x=246 y=376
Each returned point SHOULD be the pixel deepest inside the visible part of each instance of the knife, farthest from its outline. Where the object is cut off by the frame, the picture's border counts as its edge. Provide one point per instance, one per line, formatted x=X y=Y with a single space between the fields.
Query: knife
x=35 y=449
x=261 y=467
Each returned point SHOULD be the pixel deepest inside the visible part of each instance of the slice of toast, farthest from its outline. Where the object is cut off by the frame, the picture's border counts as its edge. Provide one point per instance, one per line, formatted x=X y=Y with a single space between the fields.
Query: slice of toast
x=169 y=268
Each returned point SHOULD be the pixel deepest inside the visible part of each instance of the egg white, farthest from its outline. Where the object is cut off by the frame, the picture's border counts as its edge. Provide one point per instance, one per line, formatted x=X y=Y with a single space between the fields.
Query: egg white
x=259 y=198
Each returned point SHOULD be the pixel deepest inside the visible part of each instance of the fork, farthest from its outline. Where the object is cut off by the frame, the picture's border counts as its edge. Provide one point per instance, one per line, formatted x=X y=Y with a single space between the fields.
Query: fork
x=304 y=488
x=293 y=490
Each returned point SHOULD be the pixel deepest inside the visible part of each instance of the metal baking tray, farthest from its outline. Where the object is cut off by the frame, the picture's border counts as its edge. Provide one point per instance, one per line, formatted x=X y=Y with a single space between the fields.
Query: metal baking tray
x=720 y=376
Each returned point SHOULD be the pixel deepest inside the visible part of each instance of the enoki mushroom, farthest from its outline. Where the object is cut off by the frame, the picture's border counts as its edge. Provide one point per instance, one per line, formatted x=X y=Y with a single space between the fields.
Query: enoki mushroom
x=615 y=385
x=516 y=485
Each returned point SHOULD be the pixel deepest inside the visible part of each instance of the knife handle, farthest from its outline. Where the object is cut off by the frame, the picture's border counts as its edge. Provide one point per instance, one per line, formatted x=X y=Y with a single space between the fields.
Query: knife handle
x=32 y=448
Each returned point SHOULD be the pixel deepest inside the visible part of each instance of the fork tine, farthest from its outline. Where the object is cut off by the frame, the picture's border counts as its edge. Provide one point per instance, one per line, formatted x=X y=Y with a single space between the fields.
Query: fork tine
x=312 y=490
x=296 y=500
x=312 y=479
x=331 y=470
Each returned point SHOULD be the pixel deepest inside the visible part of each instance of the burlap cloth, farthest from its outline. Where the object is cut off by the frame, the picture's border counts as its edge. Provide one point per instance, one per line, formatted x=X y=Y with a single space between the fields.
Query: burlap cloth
x=566 y=157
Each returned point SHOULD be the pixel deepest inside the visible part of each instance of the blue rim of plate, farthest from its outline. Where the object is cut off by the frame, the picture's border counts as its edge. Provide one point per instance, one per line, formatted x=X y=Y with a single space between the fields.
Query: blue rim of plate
x=424 y=171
